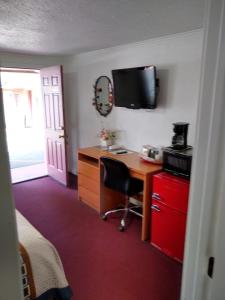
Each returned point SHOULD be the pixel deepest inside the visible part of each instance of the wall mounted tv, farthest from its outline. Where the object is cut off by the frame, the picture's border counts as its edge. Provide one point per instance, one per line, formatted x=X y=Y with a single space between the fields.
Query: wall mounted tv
x=136 y=87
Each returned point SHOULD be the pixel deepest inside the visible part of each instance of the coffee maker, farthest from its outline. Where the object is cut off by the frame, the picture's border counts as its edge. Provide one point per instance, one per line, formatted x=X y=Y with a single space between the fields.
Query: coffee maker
x=179 y=140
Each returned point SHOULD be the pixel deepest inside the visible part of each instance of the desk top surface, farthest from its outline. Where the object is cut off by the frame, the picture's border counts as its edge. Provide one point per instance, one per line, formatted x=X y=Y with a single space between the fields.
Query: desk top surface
x=132 y=159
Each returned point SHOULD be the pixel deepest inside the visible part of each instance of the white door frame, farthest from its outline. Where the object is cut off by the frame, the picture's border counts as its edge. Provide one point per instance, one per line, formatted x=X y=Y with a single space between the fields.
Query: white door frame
x=208 y=158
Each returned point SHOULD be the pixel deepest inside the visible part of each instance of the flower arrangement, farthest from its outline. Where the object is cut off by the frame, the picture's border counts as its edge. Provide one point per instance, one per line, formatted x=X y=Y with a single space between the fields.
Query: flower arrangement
x=106 y=134
x=107 y=137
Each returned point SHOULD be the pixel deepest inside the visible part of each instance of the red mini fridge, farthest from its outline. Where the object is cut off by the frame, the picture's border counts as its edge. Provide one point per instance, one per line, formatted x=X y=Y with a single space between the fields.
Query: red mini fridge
x=169 y=213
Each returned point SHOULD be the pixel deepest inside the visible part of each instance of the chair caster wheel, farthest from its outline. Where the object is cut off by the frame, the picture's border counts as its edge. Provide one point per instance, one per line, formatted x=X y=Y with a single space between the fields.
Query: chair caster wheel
x=121 y=228
x=104 y=217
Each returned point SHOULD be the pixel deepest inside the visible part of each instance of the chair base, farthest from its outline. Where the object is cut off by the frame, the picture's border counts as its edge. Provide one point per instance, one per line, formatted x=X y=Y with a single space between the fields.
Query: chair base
x=126 y=210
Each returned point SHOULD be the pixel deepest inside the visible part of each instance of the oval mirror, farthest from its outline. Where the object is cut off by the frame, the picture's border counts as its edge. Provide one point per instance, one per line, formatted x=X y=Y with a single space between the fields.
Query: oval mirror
x=103 y=100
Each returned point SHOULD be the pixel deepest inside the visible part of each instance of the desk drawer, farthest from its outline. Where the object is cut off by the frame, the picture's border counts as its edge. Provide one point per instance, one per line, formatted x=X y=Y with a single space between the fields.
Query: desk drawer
x=89 y=183
x=89 y=197
x=89 y=170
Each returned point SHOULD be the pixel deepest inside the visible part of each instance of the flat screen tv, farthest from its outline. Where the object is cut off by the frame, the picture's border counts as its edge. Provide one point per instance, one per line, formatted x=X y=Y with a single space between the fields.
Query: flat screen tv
x=136 y=87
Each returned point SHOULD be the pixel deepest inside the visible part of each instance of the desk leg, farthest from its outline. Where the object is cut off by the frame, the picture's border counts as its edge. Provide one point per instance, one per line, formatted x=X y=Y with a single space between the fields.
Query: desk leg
x=145 y=234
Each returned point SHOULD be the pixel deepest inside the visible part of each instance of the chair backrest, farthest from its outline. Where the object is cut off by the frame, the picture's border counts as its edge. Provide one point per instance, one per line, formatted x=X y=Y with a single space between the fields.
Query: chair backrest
x=116 y=175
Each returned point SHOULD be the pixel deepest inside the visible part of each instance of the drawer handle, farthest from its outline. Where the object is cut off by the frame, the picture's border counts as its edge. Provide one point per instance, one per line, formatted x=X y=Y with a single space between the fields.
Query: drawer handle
x=156 y=196
x=155 y=207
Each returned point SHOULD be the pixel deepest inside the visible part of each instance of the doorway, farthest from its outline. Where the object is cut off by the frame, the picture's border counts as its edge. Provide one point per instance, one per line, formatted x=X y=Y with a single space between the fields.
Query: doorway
x=24 y=123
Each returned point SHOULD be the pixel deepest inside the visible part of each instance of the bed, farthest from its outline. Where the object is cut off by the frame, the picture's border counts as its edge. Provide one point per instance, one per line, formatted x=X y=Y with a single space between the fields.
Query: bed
x=42 y=270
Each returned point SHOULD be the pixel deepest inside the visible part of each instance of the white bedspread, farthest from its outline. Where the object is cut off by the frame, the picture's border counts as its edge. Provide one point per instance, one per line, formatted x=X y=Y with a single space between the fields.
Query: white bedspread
x=45 y=262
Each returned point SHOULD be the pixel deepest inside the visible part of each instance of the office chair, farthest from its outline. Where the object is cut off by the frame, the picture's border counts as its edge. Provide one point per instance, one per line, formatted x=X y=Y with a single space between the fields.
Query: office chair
x=116 y=176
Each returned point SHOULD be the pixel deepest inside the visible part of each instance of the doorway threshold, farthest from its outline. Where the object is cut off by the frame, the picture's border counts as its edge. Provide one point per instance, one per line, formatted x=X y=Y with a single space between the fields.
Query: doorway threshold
x=28 y=173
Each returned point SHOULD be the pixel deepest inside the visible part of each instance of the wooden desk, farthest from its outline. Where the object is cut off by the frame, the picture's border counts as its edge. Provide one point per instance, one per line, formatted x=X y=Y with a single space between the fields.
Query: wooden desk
x=91 y=191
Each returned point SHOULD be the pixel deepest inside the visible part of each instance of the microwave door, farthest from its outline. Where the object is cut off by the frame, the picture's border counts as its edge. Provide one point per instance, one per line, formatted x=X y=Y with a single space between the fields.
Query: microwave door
x=178 y=165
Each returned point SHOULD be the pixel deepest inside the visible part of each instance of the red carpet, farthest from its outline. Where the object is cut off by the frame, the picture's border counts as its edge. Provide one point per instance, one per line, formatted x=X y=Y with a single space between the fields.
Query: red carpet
x=99 y=261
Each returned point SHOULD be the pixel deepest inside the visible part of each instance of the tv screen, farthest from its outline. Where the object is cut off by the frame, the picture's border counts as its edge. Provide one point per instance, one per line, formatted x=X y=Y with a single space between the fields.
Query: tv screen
x=135 y=88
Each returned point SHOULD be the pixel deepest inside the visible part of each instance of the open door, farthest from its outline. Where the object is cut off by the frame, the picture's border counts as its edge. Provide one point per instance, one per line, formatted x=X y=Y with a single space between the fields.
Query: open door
x=52 y=90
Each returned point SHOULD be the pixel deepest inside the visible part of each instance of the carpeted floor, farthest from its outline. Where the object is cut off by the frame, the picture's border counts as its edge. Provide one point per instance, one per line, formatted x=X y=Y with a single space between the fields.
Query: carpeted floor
x=99 y=261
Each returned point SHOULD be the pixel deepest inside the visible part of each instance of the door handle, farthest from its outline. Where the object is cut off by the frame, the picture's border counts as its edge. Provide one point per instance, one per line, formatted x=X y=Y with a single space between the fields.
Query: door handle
x=155 y=207
x=61 y=136
x=156 y=196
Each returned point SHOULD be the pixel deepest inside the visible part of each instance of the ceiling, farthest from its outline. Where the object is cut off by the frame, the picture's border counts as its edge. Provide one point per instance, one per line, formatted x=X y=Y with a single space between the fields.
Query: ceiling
x=75 y=26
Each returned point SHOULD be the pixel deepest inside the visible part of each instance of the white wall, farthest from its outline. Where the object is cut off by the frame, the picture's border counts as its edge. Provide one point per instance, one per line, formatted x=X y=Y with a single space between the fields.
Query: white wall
x=177 y=58
x=10 y=277
x=13 y=60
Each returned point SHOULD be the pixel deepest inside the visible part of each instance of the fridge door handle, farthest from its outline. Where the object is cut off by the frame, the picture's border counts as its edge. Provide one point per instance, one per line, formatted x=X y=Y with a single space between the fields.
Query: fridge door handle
x=155 y=207
x=156 y=196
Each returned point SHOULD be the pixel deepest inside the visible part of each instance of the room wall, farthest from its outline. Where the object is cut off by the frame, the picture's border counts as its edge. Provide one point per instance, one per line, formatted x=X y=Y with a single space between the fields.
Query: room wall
x=177 y=58
x=10 y=277
x=14 y=60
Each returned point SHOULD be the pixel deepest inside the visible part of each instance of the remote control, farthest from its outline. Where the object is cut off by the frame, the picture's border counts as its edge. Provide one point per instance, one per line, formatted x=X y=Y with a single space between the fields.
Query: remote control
x=121 y=152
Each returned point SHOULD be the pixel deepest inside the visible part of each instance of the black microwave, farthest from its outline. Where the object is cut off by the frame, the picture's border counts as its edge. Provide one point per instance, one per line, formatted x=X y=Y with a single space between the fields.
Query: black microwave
x=177 y=162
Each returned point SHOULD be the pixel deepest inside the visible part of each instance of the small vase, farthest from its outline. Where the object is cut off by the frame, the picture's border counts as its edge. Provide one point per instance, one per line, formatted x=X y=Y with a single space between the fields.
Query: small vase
x=106 y=143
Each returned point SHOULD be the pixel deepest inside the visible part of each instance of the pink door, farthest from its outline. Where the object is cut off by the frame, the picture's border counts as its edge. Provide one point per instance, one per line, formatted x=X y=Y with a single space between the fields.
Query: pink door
x=52 y=90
